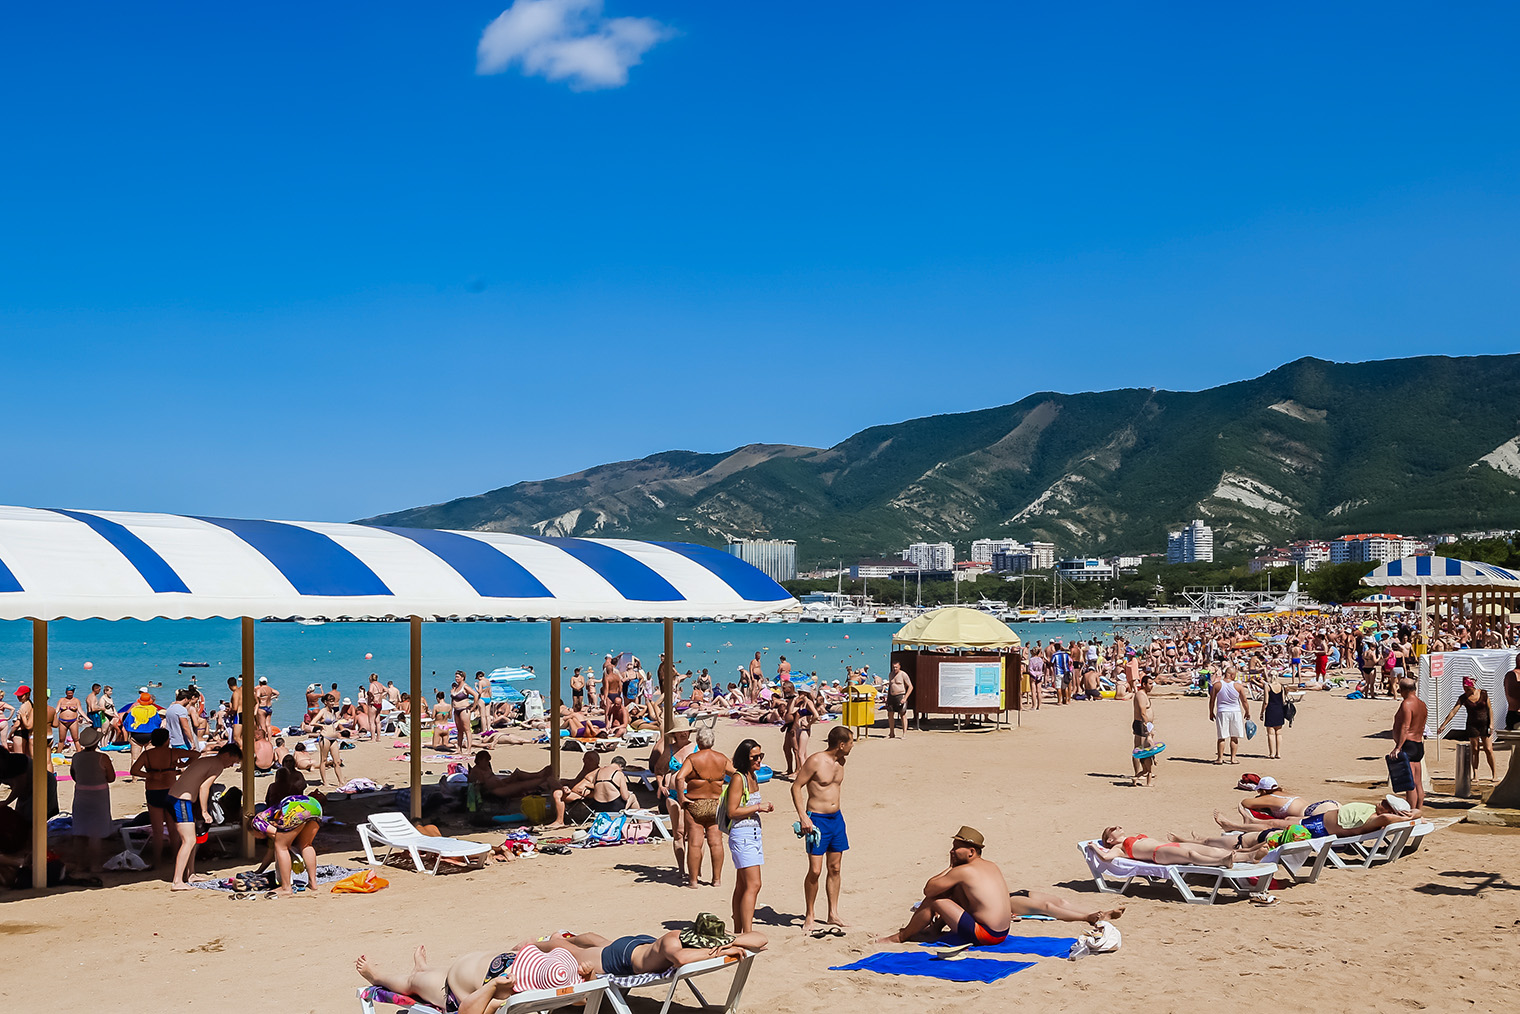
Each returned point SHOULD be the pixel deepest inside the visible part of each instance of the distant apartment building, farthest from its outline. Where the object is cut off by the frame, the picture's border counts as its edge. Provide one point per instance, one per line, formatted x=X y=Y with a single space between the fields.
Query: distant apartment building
x=1126 y=564
x=1194 y=544
x=883 y=568
x=1377 y=547
x=1044 y=554
x=1271 y=560
x=982 y=550
x=930 y=555
x=1309 y=554
x=776 y=557
x=1085 y=569
x=1012 y=563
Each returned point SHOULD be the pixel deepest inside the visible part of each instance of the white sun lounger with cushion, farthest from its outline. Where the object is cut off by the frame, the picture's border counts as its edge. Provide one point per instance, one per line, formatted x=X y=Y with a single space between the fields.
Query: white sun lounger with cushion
x=590 y=993
x=1113 y=876
x=1384 y=845
x=669 y=981
x=613 y=987
x=394 y=831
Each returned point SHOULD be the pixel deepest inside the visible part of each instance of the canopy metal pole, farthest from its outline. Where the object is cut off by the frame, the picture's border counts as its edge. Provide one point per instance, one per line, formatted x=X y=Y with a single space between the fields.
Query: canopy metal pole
x=1424 y=620
x=668 y=678
x=553 y=709
x=247 y=719
x=42 y=752
x=414 y=719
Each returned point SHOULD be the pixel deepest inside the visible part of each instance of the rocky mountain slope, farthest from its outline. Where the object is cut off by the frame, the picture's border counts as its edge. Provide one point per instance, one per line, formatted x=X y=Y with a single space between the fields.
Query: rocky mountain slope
x=1311 y=449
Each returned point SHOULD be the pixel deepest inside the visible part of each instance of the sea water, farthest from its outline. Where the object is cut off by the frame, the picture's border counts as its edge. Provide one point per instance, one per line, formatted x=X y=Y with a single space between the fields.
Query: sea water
x=127 y=654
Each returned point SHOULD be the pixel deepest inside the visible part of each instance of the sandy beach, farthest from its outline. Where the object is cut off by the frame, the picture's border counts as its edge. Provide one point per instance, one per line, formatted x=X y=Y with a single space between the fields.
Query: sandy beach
x=1436 y=930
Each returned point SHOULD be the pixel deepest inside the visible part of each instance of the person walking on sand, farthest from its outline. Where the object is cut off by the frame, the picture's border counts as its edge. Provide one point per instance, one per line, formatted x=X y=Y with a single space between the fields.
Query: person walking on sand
x=1409 y=743
x=899 y=689
x=191 y=794
x=1144 y=728
x=1274 y=714
x=815 y=794
x=968 y=898
x=1229 y=710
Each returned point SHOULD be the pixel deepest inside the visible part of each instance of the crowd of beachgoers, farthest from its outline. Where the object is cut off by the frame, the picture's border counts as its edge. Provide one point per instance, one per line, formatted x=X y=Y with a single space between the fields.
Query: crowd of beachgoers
x=1245 y=670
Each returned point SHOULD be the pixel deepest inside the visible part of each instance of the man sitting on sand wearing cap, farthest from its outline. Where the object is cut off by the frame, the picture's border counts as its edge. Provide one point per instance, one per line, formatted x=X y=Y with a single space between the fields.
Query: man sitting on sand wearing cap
x=1344 y=821
x=640 y=954
x=969 y=897
x=479 y=982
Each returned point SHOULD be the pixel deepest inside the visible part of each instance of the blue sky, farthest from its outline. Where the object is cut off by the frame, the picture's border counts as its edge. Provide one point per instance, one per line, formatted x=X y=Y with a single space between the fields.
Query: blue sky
x=326 y=260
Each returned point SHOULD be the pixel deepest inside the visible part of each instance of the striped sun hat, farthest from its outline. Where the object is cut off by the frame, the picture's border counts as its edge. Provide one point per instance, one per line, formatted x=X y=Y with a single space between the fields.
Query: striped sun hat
x=533 y=969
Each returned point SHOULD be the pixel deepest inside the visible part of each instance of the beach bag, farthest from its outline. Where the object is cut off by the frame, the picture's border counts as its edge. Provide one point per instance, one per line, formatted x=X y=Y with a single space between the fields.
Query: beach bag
x=535 y=808
x=606 y=829
x=363 y=882
x=533 y=706
x=1250 y=729
x=724 y=821
x=1290 y=712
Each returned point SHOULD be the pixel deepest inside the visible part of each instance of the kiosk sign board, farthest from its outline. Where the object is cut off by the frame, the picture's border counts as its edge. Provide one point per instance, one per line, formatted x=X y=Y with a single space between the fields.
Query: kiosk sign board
x=971 y=685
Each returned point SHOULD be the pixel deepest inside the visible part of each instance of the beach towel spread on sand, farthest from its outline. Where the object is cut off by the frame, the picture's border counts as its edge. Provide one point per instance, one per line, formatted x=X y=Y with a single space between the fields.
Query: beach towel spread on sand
x=926 y=964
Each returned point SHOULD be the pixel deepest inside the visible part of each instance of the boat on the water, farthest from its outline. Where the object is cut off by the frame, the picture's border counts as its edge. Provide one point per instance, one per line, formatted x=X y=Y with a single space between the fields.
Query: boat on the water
x=195 y=665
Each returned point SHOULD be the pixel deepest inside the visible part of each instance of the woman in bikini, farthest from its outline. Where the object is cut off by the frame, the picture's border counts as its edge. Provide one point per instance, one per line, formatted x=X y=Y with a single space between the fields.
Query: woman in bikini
x=67 y=718
x=1145 y=849
x=330 y=732
x=699 y=783
x=481 y=980
x=1270 y=801
x=666 y=763
x=440 y=723
x=463 y=698
x=1480 y=724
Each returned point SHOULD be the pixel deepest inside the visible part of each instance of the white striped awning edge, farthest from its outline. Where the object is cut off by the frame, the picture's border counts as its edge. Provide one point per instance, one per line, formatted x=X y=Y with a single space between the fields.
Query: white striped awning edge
x=78 y=564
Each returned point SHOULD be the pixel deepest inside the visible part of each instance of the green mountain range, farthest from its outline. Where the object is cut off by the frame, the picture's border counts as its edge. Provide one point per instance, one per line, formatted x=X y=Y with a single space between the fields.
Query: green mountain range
x=1312 y=449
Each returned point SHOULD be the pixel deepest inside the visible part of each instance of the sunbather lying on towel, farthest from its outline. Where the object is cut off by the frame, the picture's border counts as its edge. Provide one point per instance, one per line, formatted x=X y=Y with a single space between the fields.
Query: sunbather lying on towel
x=1145 y=849
x=1022 y=904
x=470 y=983
x=1344 y=821
x=635 y=955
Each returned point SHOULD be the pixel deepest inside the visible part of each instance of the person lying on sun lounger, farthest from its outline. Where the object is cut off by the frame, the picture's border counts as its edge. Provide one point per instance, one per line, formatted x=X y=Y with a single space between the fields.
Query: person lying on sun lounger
x=1241 y=840
x=633 y=955
x=1145 y=849
x=1272 y=802
x=470 y=983
x=1345 y=821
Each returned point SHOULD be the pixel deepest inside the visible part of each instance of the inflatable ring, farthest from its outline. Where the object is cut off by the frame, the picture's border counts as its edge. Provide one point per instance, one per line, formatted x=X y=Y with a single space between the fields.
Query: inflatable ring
x=1150 y=751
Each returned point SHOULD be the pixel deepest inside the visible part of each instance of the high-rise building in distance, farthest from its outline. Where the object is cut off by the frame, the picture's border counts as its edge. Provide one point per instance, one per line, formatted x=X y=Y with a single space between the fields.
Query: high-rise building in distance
x=776 y=557
x=1194 y=544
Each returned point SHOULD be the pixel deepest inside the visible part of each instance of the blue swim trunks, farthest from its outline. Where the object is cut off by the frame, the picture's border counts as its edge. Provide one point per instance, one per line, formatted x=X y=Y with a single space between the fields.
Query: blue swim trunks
x=831 y=834
x=184 y=811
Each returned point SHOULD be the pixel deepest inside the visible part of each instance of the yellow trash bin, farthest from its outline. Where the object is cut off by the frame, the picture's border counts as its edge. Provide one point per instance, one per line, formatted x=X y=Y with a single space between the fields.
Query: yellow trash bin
x=860 y=707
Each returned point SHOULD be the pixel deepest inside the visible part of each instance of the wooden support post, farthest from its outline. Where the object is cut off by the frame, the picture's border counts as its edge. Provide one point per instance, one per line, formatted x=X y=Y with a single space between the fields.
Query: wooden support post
x=414 y=720
x=553 y=708
x=247 y=718
x=42 y=752
x=669 y=682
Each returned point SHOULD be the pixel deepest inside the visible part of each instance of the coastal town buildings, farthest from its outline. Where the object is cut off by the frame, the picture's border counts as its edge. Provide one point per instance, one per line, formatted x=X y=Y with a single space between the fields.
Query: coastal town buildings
x=930 y=555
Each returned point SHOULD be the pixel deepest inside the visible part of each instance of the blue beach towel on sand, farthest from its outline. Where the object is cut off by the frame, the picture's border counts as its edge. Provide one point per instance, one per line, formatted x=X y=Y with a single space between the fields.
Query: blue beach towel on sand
x=925 y=964
x=1044 y=947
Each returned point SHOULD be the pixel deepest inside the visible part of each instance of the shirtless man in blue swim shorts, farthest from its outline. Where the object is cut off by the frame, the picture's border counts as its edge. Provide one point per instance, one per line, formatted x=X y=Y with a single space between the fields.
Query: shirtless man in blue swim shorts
x=815 y=794
x=969 y=897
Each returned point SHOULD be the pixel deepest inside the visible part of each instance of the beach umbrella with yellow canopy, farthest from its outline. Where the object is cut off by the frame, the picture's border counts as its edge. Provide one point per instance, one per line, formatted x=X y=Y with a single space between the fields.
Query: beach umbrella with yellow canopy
x=956 y=627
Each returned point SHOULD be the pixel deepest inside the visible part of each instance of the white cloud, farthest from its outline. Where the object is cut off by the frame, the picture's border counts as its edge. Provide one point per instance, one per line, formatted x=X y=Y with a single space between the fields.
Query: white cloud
x=567 y=40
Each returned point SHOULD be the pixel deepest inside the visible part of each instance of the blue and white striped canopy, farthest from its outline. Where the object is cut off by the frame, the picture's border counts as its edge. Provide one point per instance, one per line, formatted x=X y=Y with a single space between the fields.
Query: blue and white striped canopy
x=1440 y=571
x=111 y=565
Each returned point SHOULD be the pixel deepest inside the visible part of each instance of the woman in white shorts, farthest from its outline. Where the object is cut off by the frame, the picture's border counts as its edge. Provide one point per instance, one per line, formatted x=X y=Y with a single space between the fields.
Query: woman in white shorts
x=742 y=809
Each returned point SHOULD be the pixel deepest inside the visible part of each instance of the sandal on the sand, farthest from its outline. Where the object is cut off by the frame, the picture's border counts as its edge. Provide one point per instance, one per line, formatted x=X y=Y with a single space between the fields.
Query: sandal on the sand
x=827 y=931
x=1263 y=898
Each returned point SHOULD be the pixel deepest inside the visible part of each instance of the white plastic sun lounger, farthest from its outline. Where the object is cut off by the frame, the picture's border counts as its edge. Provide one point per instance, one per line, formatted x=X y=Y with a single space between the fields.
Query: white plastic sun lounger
x=686 y=973
x=395 y=831
x=591 y=993
x=1302 y=861
x=1113 y=876
x=1384 y=845
x=527 y=1002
